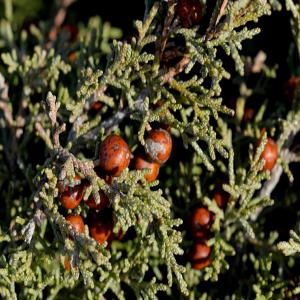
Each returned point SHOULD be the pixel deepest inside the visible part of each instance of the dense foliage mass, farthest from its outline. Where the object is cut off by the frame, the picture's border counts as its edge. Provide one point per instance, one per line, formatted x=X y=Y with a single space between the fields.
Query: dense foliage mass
x=160 y=164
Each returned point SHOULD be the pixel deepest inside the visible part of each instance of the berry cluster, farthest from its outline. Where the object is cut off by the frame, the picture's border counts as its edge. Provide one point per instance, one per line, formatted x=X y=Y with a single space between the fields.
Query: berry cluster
x=201 y=222
x=202 y=218
x=114 y=157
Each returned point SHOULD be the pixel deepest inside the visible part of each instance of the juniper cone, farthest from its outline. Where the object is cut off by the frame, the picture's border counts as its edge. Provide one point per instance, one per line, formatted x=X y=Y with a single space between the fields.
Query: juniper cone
x=149 y=151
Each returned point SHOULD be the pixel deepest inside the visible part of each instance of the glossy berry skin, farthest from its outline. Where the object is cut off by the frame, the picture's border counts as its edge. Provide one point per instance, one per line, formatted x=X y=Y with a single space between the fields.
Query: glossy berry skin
x=270 y=154
x=201 y=222
x=104 y=201
x=114 y=155
x=140 y=163
x=71 y=196
x=101 y=228
x=76 y=221
x=189 y=12
x=158 y=145
x=199 y=256
x=201 y=264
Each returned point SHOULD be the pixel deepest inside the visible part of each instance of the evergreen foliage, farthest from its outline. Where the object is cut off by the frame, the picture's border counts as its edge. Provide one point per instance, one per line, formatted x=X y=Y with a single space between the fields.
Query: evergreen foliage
x=180 y=77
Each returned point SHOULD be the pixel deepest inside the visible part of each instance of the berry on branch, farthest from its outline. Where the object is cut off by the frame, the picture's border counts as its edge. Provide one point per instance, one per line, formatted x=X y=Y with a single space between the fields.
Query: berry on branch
x=101 y=227
x=76 y=221
x=269 y=154
x=158 y=145
x=201 y=222
x=141 y=163
x=71 y=195
x=200 y=256
x=104 y=201
x=114 y=155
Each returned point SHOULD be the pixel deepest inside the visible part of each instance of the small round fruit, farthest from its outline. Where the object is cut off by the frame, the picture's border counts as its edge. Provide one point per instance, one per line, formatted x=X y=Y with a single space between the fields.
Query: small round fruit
x=201 y=264
x=201 y=222
x=97 y=106
x=72 y=196
x=114 y=155
x=141 y=163
x=77 y=222
x=189 y=12
x=158 y=145
x=221 y=198
x=104 y=201
x=249 y=114
x=200 y=252
x=67 y=265
x=290 y=87
x=101 y=228
x=72 y=57
x=270 y=154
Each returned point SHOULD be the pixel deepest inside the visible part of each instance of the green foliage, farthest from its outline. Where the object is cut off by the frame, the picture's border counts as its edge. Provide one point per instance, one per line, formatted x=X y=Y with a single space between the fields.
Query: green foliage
x=49 y=84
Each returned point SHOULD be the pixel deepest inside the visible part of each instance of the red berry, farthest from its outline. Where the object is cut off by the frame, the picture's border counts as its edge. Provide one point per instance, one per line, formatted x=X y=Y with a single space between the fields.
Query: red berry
x=96 y=106
x=269 y=154
x=67 y=265
x=290 y=87
x=200 y=256
x=158 y=145
x=141 y=163
x=200 y=251
x=72 y=57
x=249 y=114
x=104 y=201
x=221 y=198
x=101 y=227
x=201 y=222
x=114 y=155
x=189 y=12
x=76 y=221
x=72 y=196
x=201 y=264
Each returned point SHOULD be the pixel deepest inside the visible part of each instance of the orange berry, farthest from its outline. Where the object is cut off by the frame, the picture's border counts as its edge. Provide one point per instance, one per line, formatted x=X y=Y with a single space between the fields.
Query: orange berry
x=101 y=227
x=71 y=195
x=201 y=222
x=141 y=163
x=96 y=106
x=199 y=256
x=221 y=198
x=72 y=56
x=269 y=154
x=114 y=155
x=201 y=264
x=158 y=145
x=104 y=201
x=67 y=265
x=76 y=221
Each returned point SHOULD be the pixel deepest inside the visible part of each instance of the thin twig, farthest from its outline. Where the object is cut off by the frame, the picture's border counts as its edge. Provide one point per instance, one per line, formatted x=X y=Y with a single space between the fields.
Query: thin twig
x=58 y=20
x=173 y=71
